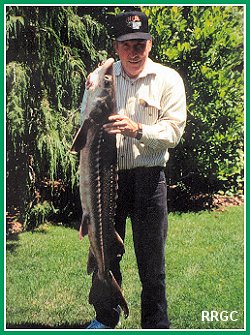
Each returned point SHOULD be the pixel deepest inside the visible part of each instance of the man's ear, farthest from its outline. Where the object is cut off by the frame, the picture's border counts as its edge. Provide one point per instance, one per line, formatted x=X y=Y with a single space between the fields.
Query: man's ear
x=150 y=44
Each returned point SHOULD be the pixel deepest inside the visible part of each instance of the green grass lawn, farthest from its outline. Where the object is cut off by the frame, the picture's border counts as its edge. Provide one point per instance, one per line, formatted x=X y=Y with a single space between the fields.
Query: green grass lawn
x=47 y=284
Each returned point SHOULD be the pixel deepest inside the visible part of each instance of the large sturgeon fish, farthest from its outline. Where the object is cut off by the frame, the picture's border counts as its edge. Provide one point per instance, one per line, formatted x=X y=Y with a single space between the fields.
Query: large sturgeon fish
x=98 y=190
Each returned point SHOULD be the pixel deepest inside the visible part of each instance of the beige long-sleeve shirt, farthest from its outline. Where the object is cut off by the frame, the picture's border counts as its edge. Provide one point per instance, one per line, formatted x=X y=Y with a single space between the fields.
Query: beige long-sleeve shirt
x=157 y=100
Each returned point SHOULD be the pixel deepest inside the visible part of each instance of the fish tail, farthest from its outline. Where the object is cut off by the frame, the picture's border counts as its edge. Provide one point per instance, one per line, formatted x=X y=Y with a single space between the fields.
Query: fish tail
x=106 y=294
x=121 y=300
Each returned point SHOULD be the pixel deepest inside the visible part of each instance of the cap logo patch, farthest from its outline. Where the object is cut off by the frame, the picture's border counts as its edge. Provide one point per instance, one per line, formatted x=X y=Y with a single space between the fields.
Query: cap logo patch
x=134 y=22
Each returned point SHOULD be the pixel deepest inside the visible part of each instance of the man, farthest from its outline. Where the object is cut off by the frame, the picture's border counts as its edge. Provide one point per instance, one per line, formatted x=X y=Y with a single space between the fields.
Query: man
x=151 y=118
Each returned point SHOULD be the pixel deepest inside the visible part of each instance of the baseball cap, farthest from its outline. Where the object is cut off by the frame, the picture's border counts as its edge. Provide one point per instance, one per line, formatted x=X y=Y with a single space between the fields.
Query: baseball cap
x=131 y=26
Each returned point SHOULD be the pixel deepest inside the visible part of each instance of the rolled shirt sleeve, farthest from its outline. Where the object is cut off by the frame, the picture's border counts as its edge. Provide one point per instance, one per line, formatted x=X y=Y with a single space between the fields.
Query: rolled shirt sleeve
x=167 y=131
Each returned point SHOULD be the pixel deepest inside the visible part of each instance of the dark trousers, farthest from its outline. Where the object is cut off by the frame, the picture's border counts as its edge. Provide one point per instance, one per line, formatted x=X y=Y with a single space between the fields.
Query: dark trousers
x=142 y=196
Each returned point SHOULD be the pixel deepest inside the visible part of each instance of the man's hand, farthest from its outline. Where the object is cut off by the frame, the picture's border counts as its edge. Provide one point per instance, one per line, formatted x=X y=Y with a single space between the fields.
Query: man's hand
x=121 y=124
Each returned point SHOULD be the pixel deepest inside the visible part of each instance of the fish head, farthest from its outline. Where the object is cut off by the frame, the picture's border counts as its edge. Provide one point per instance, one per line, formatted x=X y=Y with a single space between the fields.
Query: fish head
x=100 y=103
x=104 y=103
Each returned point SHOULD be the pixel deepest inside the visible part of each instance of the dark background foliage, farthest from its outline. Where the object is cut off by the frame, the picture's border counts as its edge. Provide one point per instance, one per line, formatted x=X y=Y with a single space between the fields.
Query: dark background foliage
x=49 y=52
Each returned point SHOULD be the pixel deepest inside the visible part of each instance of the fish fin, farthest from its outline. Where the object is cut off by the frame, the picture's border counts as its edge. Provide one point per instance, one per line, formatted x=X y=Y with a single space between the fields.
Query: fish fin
x=119 y=240
x=80 y=232
x=105 y=293
x=83 y=230
x=117 y=246
x=91 y=265
x=80 y=137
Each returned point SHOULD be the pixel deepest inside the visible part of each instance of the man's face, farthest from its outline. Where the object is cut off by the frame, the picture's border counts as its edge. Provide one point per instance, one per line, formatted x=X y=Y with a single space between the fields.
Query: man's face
x=133 y=55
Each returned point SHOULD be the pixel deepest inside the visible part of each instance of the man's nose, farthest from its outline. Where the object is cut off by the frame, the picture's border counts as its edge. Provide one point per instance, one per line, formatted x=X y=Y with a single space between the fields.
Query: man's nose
x=133 y=51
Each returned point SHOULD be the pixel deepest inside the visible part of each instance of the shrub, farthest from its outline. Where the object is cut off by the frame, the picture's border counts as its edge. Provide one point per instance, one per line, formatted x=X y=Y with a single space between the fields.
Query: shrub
x=205 y=45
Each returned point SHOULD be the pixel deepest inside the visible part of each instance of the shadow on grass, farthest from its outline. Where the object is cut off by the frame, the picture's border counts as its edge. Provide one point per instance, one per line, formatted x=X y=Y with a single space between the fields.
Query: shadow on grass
x=12 y=239
x=12 y=242
x=44 y=326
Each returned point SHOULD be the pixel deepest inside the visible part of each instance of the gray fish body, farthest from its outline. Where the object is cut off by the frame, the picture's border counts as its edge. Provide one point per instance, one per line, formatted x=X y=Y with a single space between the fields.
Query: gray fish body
x=98 y=190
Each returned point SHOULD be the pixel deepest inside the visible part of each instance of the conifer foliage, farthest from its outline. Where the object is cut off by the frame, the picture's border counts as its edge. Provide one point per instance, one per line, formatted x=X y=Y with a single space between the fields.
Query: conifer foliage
x=49 y=50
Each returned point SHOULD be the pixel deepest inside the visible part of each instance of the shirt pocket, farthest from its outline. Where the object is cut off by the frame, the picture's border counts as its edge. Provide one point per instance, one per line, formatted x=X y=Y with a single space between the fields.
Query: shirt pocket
x=148 y=110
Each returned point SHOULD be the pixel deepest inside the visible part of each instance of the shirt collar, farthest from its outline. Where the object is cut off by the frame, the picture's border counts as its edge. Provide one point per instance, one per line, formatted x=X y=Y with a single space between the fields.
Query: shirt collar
x=149 y=68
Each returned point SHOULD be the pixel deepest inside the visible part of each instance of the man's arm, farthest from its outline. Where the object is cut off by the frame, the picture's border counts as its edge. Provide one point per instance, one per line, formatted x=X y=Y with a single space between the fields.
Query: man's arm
x=166 y=133
x=168 y=130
